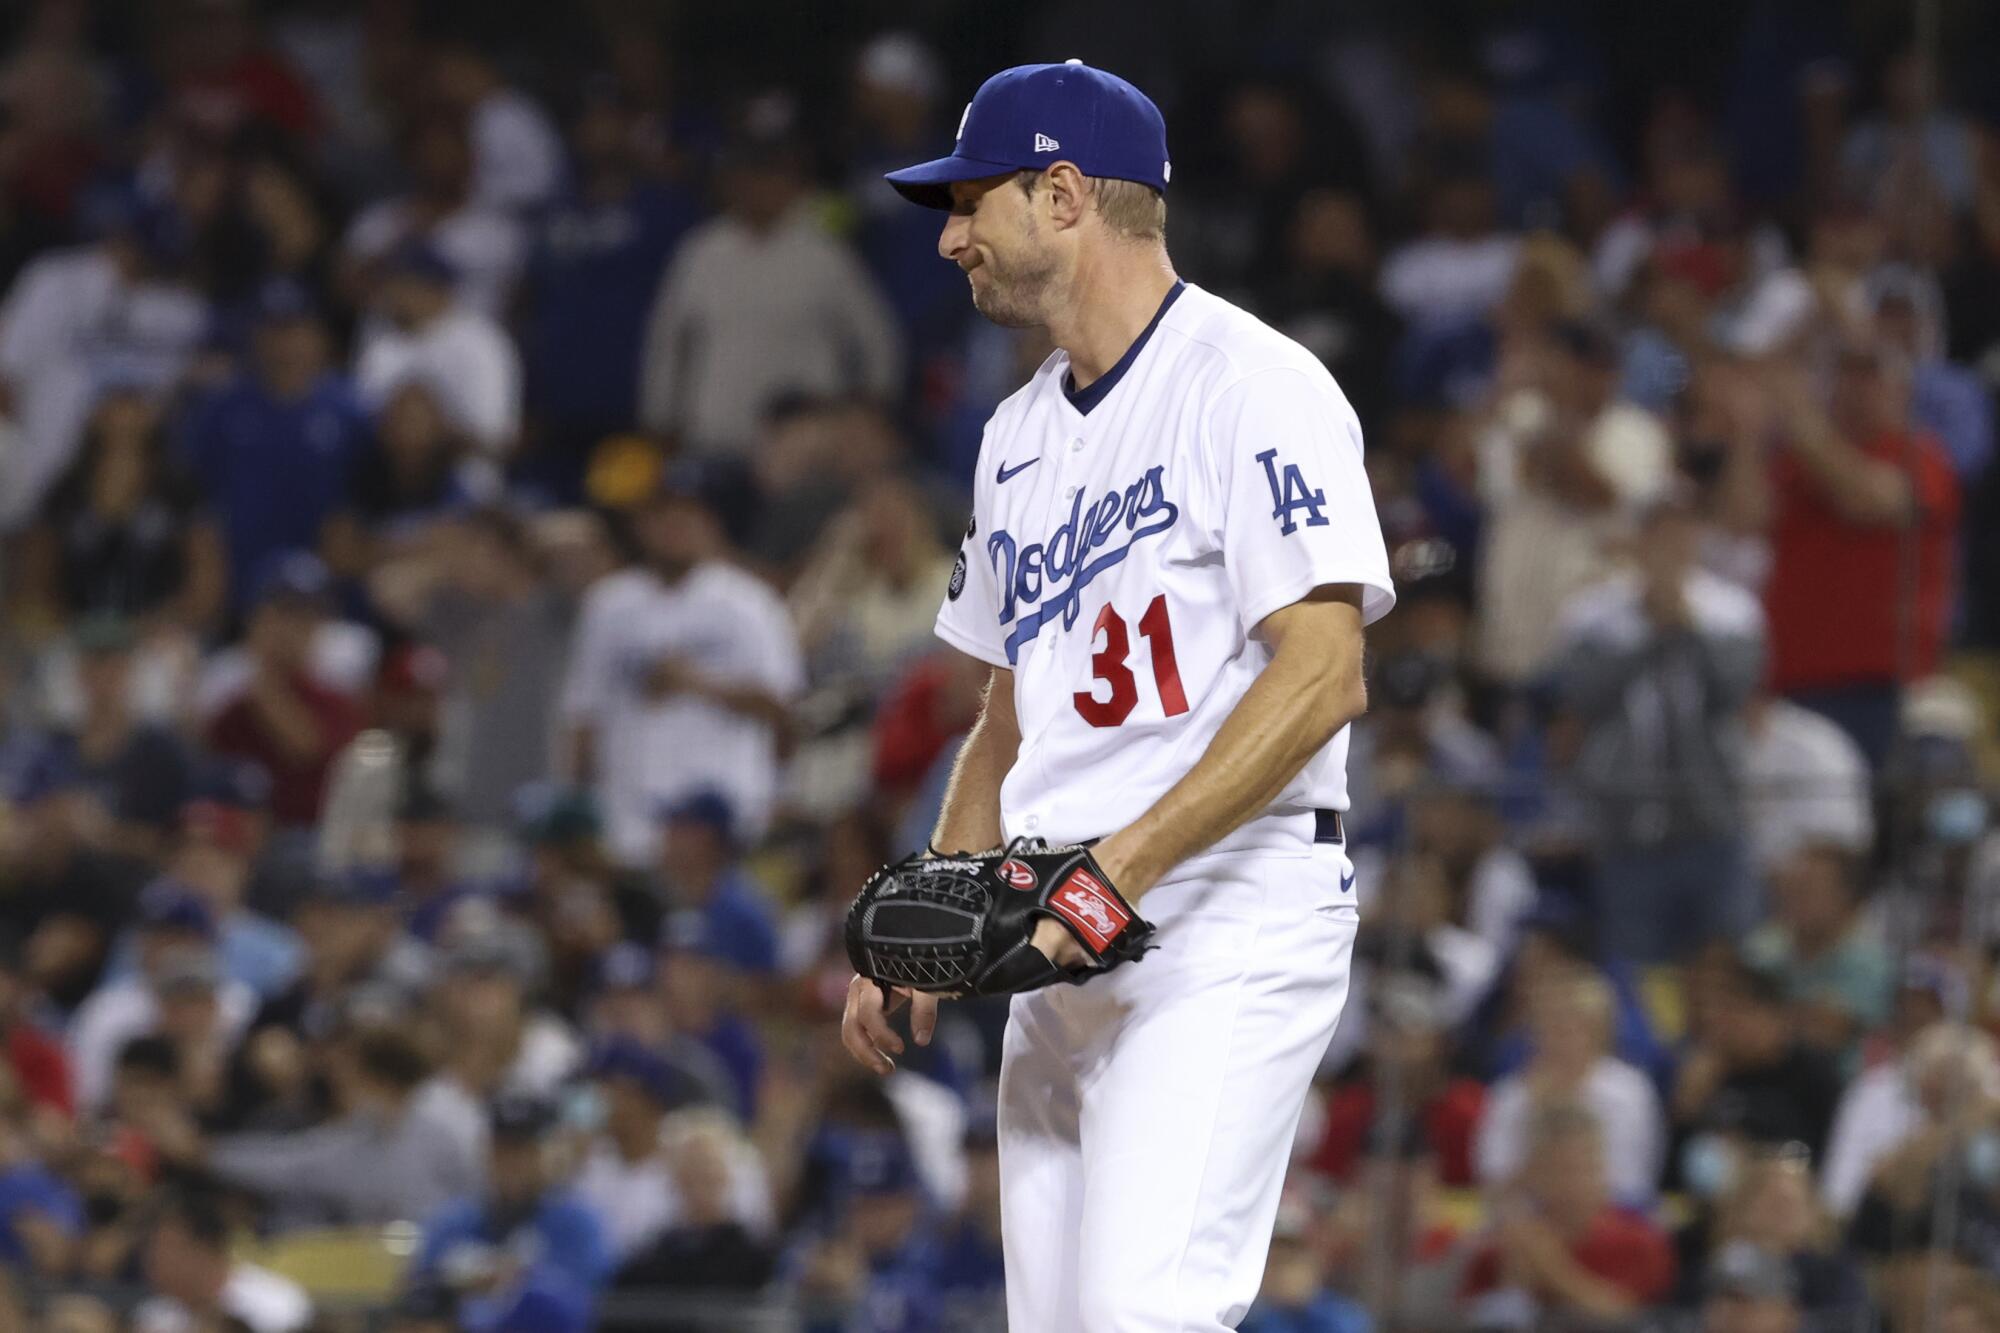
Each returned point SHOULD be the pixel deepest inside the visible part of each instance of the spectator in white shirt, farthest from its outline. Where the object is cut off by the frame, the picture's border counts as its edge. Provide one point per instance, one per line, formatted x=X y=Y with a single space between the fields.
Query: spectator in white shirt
x=178 y=991
x=517 y=156
x=1804 y=780
x=462 y=356
x=79 y=321
x=760 y=304
x=627 y=1176
x=201 y=1287
x=682 y=676
x=1460 y=267
x=485 y=246
x=1570 y=1021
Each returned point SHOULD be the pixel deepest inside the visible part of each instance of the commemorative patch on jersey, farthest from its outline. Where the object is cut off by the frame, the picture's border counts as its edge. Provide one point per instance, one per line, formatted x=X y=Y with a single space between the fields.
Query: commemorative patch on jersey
x=957 y=584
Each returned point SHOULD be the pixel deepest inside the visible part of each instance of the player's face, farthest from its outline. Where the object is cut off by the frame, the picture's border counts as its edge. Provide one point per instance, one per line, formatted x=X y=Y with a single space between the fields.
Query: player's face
x=992 y=234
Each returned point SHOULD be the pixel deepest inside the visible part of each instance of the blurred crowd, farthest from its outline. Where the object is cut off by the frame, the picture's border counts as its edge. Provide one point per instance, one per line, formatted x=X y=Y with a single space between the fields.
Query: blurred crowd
x=475 y=485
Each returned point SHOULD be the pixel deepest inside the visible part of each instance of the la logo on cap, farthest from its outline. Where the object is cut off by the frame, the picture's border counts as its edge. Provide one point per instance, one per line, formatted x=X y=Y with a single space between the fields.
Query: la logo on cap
x=1044 y=144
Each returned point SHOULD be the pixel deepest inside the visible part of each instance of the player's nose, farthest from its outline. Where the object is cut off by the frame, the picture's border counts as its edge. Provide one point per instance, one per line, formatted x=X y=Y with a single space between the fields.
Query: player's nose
x=952 y=240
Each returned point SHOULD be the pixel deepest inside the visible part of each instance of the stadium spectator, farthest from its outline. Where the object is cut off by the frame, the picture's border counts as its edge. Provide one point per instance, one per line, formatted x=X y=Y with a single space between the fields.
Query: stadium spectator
x=711 y=1245
x=1407 y=1052
x=178 y=991
x=68 y=895
x=1834 y=963
x=759 y=303
x=415 y=470
x=521 y=1232
x=1804 y=781
x=1771 y=1206
x=1295 y=1296
x=1457 y=271
x=140 y=772
x=872 y=1266
x=188 y=1262
x=477 y=251
x=1389 y=1243
x=477 y=588
x=699 y=873
x=391 y=1153
x=1570 y=1025
x=76 y=322
x=1749 y=1290
x=596 y=262
x=125 y=531
x=700 y=986
x=680 y=675
x=1746 y=1076
x=517 y=158
x=1559 y=1246
x=275 y=446
x=283 y=719
x=497 y=1039
x=423 y=332
x=1853 y=486
x=1656 y=666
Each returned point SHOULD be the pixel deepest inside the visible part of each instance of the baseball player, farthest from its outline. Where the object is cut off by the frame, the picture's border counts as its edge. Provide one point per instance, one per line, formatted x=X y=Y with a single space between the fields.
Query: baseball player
x=1172 y=556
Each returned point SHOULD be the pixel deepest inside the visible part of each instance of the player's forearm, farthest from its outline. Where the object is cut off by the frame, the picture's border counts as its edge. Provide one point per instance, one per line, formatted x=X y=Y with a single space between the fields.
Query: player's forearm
x=969 y=819
x=1311 y=689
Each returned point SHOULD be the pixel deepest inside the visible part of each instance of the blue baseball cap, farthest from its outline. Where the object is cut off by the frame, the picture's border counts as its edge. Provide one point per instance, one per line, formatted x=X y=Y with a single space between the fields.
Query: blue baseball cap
x=1030 y=116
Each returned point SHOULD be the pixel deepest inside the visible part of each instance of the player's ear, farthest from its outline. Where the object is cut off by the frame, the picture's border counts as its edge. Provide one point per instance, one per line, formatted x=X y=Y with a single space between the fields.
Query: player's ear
x=1068 y=192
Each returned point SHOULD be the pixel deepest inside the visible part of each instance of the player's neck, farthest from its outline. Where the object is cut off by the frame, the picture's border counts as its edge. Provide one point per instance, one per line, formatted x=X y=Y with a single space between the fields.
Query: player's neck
x=1115 y=296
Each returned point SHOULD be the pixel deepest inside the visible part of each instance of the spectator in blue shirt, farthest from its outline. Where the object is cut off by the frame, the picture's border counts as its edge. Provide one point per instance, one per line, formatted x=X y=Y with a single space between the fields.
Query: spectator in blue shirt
x=699 y=872
x=275 y=447
x=875 y=1266
x=40 y=1216
x=524 y=1233
x=700 y=988
x=596 y=263
x=1295 y=1297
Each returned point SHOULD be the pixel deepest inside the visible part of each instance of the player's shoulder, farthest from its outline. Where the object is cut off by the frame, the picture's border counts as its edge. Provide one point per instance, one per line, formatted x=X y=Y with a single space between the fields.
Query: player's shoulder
x=1221 y=345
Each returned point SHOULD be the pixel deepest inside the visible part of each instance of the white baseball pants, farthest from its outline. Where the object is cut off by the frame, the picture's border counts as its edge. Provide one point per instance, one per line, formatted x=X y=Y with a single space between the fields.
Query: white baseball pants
x=1146 y=1119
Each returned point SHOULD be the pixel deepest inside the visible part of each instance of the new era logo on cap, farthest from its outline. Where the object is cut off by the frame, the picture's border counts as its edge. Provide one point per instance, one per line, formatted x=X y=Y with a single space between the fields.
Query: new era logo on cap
x=1023 y=117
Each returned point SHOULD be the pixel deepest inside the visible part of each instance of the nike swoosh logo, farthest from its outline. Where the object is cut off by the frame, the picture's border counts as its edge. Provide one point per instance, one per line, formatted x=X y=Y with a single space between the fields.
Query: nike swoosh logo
x=1015 y=471
x=1347 y=881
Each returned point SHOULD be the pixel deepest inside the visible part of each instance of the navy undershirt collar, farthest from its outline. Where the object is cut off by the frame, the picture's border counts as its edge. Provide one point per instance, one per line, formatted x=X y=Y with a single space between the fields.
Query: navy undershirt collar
x=1085 y=399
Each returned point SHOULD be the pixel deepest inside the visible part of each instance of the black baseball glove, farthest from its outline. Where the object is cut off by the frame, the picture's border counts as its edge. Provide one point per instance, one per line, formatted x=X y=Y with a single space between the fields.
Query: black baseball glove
x=961 y=925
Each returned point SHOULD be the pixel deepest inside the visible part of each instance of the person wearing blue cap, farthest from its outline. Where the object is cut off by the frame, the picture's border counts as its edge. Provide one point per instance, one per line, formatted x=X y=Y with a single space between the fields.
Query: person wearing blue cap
x=274 y=446
x=423 y=332
x=1173 y=553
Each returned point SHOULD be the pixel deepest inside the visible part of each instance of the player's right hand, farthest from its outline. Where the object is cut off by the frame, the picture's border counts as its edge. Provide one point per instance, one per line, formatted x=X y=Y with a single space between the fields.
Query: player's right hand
x=864 y=1027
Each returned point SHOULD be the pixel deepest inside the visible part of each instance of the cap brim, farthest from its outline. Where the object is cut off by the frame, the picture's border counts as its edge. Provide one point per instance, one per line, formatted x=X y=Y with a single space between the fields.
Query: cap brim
x=929 y=183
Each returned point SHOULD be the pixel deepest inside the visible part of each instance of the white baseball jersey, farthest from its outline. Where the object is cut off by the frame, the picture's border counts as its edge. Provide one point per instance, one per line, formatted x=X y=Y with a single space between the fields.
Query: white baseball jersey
x=1126 y=540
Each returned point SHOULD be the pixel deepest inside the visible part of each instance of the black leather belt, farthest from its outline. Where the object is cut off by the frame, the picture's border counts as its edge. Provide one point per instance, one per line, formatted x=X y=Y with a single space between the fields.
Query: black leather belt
x=1326 y=827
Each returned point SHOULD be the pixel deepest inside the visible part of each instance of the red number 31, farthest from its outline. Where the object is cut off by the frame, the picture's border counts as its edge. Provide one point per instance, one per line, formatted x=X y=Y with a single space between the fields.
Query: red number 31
x=1108 y=664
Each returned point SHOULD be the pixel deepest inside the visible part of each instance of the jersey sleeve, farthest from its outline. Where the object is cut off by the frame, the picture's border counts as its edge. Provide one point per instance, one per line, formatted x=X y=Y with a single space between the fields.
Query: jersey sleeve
x=1294 y=507
x=969 y=617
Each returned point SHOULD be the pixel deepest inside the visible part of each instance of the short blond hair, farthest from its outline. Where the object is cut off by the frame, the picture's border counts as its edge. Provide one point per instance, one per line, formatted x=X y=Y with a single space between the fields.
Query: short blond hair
x=1132 y=209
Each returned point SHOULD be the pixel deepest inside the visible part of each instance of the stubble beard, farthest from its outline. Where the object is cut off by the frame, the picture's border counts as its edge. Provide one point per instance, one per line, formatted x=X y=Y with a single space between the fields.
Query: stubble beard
x=1015 y=295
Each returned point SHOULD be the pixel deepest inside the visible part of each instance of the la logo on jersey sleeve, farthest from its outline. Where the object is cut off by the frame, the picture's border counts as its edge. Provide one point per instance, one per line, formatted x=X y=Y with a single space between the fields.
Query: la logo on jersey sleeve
x=1291 y=494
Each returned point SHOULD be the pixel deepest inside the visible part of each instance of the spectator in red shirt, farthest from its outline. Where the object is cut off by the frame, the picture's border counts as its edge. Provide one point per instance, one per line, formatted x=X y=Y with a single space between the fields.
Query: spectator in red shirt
x=1855 y=486
x=284 y=721
x=1406 y=1050
x=33 y=1058
x=1559 y=1247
